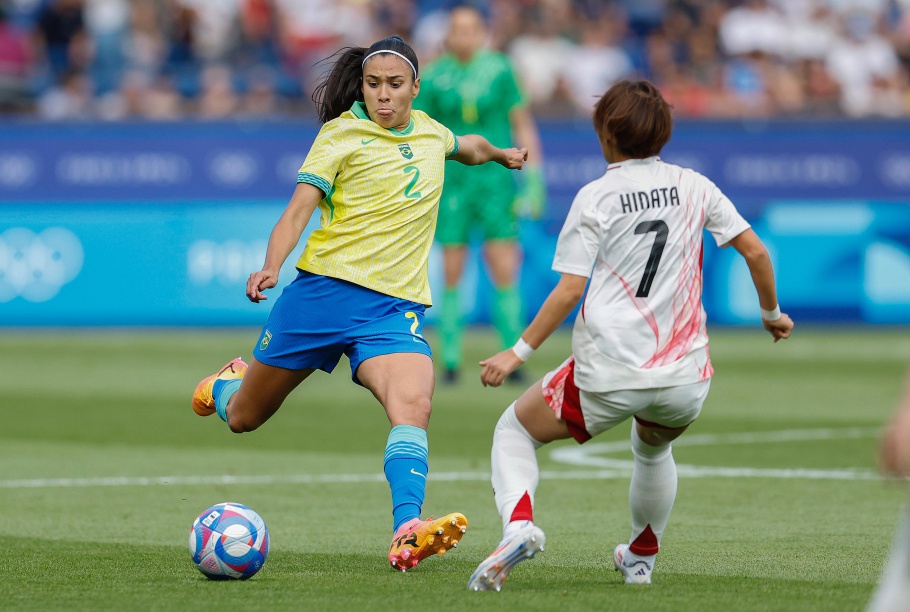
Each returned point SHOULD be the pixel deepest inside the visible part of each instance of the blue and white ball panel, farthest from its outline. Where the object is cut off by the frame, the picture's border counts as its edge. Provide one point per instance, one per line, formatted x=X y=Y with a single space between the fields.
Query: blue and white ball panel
x=229 y=541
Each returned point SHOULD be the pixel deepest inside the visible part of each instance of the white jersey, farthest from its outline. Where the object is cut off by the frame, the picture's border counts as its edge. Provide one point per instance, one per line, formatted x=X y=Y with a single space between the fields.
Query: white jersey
x=637 y=233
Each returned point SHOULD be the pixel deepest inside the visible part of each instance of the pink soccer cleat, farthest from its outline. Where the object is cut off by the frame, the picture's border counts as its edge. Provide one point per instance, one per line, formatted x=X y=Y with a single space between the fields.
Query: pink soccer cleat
x=416 y=540
x=203 y=402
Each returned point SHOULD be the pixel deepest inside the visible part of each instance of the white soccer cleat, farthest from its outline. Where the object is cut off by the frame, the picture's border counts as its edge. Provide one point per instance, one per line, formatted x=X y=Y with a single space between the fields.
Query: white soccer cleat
x=494 y=570
x=635 y=572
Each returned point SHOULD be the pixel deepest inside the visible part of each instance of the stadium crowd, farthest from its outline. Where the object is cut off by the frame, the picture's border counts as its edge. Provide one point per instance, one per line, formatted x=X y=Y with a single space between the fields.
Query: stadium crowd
x=210 y=59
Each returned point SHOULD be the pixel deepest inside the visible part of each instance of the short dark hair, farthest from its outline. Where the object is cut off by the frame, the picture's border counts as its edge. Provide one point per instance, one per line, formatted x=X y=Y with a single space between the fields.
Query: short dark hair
x=341 y=87
x=636 y=116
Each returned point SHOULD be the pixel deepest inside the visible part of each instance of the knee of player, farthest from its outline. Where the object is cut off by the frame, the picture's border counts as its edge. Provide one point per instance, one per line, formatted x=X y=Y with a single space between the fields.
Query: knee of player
x=422 y=405
x=417 y=408
x=240 y=423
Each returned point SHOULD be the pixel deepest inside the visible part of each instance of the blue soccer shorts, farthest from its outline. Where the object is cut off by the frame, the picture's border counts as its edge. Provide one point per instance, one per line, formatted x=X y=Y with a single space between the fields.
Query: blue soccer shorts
x=318 y=318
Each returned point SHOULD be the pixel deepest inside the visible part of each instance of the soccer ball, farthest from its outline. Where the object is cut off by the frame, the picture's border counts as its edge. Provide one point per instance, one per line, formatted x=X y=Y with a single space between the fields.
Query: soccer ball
x=229 y=542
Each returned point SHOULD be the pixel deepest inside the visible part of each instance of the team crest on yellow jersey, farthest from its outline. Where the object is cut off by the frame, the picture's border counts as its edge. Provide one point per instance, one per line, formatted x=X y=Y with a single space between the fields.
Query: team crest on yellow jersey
x=406 y=151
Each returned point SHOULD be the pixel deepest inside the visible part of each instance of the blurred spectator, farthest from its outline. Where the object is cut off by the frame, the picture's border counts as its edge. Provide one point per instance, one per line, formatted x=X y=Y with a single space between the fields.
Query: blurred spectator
x=145 y=48
x=70 y=99
x=142 y=96
x=213 y=27
x=260 y=100
x=644 y=15
x=179 y=32
x=60 y=31
x=394 y=16
x=541 y=55
x=15 y=66
x=257 y=43
x=867 y=69
x=311 y=30
x=822 y=91
x=753 y=27
x=107 y=22
x=597 y=62
x=218 y=98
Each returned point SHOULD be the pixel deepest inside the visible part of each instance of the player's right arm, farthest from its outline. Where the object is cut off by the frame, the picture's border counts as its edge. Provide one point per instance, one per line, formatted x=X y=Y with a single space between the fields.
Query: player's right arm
x=750 y=246
x=284 y=237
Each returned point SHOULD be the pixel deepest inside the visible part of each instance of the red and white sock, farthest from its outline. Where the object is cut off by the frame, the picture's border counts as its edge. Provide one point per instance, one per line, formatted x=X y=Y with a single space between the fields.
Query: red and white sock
x=651 y=495
x=515 y=470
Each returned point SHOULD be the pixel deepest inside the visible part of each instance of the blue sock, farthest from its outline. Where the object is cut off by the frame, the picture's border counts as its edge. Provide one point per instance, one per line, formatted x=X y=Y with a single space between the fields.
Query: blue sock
x=222 y=391
x=406 y=470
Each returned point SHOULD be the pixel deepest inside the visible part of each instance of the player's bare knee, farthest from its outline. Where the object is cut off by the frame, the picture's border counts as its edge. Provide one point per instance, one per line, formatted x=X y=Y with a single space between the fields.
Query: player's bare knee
x=421 y=407
x=240 y=423
x=412 y=410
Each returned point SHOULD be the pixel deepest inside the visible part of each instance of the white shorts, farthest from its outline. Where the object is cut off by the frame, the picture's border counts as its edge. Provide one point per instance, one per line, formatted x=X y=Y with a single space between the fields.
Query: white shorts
x=588 y=414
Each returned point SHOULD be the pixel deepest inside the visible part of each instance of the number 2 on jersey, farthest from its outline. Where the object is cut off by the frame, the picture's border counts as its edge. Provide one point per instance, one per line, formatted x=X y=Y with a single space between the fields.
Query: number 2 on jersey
x=409 y=190
x=657 y=249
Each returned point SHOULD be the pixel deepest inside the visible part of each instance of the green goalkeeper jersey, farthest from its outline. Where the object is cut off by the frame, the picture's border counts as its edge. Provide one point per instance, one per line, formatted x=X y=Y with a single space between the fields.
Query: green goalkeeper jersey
x=472 y=98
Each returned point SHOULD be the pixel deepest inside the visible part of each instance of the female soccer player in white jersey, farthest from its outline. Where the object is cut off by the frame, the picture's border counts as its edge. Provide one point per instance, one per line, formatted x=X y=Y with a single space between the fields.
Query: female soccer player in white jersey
x=375 y=171
x=639 y=345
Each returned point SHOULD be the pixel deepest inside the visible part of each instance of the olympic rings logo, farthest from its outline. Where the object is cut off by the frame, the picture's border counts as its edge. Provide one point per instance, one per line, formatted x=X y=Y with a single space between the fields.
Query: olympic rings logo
x=36 y=266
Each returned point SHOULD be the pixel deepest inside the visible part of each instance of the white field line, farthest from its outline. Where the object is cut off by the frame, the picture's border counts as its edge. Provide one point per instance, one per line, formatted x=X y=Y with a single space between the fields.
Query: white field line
x=589 y=455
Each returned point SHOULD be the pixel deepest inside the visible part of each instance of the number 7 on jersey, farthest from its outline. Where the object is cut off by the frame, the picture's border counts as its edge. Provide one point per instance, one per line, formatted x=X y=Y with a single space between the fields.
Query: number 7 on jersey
x=657 y=249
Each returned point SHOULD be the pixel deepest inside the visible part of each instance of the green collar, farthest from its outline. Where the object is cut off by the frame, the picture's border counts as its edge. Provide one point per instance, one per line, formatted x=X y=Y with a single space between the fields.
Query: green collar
x=360 y=111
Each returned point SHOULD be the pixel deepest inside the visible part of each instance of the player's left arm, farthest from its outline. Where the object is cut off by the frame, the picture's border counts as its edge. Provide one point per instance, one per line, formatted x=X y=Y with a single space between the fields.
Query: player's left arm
x=753 y=250
x=524 y=133
x=531 y=199
x=558 y=305
x=474 y=150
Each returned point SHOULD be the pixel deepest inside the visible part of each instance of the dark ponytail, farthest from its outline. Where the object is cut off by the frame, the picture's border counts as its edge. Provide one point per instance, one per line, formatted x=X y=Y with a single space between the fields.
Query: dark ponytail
x=342 y=86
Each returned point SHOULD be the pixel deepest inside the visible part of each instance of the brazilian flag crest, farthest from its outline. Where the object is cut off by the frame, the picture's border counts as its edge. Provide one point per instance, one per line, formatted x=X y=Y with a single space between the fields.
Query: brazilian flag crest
x=406 y=151
x=266 y=338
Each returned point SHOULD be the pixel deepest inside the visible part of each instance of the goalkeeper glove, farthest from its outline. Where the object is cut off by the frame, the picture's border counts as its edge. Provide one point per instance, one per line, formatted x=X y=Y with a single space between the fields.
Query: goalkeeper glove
x=532 y=194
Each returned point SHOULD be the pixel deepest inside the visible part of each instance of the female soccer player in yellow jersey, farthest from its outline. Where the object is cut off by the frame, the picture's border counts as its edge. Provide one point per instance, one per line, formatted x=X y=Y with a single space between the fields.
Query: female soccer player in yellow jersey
x=375 y=171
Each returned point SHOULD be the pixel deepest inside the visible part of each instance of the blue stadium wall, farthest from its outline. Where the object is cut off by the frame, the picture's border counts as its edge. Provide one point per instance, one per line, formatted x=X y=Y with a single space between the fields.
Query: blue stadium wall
x=160 y=224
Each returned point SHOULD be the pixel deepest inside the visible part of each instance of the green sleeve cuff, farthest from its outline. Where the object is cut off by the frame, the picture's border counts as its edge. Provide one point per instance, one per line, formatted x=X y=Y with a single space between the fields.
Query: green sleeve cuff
x=455 y=150
x=317 y=181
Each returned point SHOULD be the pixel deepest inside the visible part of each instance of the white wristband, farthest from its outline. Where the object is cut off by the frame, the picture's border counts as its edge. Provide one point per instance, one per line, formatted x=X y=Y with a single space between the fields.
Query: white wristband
x=770 y=315
x=522 y=349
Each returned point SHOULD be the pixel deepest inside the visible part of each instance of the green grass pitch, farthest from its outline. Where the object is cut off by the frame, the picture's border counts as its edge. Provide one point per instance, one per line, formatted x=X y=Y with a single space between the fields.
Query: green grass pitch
x=103 y=467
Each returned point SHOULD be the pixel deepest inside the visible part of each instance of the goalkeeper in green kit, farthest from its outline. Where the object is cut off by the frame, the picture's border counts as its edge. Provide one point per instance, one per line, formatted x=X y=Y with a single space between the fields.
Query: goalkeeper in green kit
x=473 y=89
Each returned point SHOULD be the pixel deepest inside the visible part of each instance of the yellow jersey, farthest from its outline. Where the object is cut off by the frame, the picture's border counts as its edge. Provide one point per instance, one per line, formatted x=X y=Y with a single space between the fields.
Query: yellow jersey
x=382 y=189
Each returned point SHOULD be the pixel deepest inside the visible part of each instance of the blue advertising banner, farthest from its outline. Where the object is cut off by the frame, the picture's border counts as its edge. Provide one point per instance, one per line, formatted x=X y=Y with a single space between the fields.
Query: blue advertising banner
x=750 y=162
x=148 y=224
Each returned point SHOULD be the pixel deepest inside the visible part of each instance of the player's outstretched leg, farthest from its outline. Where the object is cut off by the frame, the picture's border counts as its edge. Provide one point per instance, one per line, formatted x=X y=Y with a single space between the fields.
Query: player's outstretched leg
x=522 y=540
x=635 y=569
x=204 y=395
x=416 y=540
